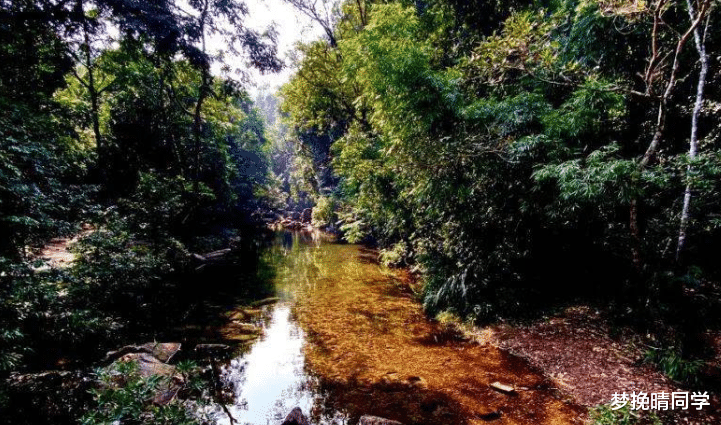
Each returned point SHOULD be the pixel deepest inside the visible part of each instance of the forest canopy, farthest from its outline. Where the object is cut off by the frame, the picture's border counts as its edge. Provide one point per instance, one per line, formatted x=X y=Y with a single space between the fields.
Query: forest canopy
x=513 y=156
x=516 y=152
x=112 y=120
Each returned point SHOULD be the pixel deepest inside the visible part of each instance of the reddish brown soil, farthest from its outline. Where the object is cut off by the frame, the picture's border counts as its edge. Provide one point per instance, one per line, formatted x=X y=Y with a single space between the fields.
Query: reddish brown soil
x=576 y=350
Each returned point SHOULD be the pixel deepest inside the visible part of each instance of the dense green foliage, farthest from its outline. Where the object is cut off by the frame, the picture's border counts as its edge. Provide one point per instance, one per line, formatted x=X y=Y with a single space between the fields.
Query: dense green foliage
x=109 y=117
x=513 y=153
x=522 y=153
x=124 y=396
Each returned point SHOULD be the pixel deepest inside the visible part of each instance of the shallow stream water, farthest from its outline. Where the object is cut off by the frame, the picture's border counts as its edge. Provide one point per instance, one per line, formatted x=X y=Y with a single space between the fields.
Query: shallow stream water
x=348 y=337
x=271 y=378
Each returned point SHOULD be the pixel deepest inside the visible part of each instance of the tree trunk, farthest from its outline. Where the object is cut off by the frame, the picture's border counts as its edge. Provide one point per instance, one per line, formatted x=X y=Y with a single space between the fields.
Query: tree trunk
x=202 y=95
x=699 y=40
x=93 y=92
x=651 y=71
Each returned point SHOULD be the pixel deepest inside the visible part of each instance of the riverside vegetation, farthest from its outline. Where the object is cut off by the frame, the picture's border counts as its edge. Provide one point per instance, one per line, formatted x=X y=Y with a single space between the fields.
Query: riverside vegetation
x=517 y=156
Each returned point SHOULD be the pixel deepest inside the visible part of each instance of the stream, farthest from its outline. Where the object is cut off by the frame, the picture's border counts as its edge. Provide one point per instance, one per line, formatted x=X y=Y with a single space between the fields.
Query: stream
x=271 y=378
x=348 y=337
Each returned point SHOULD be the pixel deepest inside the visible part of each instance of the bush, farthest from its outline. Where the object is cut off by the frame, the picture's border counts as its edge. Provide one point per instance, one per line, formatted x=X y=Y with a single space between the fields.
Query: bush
x=605 y=415
x=125 y=397
x=395 y=256
x=672 y=364
x=323 y=212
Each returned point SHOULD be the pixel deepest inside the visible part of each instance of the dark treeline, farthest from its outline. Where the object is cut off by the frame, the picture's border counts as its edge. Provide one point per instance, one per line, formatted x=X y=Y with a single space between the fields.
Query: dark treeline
x=110 y=116
x=521 y=153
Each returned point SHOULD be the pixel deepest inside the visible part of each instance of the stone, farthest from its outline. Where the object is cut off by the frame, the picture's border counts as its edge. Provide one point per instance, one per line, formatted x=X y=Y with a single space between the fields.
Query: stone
x=376 y=420
x=504 y=388
x=293 y=225
x=235 y=337
x=390 y=378
x=489 y=414
x=164 y=397
x=243 y=313
x=163 y=351
x=148 y=365
x=296 y=417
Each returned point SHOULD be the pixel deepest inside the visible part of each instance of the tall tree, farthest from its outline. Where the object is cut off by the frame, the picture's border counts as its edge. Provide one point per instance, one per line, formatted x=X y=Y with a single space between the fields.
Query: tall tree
x=700 y=43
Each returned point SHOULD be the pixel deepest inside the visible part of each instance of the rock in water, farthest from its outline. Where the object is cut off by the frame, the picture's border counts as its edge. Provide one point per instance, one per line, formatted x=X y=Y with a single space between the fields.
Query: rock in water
x=375 y=420
x=296 y=417
x=149 y=365
x=163 y=351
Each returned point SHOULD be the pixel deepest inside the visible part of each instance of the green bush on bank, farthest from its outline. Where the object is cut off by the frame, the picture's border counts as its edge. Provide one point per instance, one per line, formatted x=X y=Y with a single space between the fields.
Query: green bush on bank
x=125 y=396
x=605 y=415
x=324 y=212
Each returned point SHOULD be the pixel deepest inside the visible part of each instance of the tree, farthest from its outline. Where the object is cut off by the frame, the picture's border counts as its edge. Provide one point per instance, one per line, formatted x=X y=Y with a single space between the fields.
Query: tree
x=700 y=43
x=324 y=12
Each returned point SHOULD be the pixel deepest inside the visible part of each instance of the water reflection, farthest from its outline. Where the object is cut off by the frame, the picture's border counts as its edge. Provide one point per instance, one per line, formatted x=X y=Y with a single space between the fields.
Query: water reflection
x=269 y=380
x=367 y=348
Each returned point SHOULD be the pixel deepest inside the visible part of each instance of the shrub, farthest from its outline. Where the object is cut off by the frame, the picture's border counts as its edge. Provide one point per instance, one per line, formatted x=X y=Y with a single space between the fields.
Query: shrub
x=605 y=415
x=394 y=256
x=323 y=212
x=670 y=361
x=125 y=397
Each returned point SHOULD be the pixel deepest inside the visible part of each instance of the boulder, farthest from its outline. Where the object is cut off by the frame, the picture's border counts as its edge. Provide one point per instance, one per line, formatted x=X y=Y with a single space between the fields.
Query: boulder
x=148 y=365
x=376 y=420
x=296 y=417
x=244 y=313
x=215 y=257
x=163 y=351
x=228 y=334
x=292 y=225
x=417 y=381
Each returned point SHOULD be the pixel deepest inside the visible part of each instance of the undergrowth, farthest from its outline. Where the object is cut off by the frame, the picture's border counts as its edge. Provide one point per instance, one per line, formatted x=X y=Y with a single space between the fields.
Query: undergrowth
x=605 y=415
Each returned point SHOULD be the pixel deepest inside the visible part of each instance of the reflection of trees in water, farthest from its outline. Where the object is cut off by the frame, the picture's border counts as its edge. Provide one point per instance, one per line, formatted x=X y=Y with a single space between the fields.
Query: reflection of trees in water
x=300 y=264
x=270 y=379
